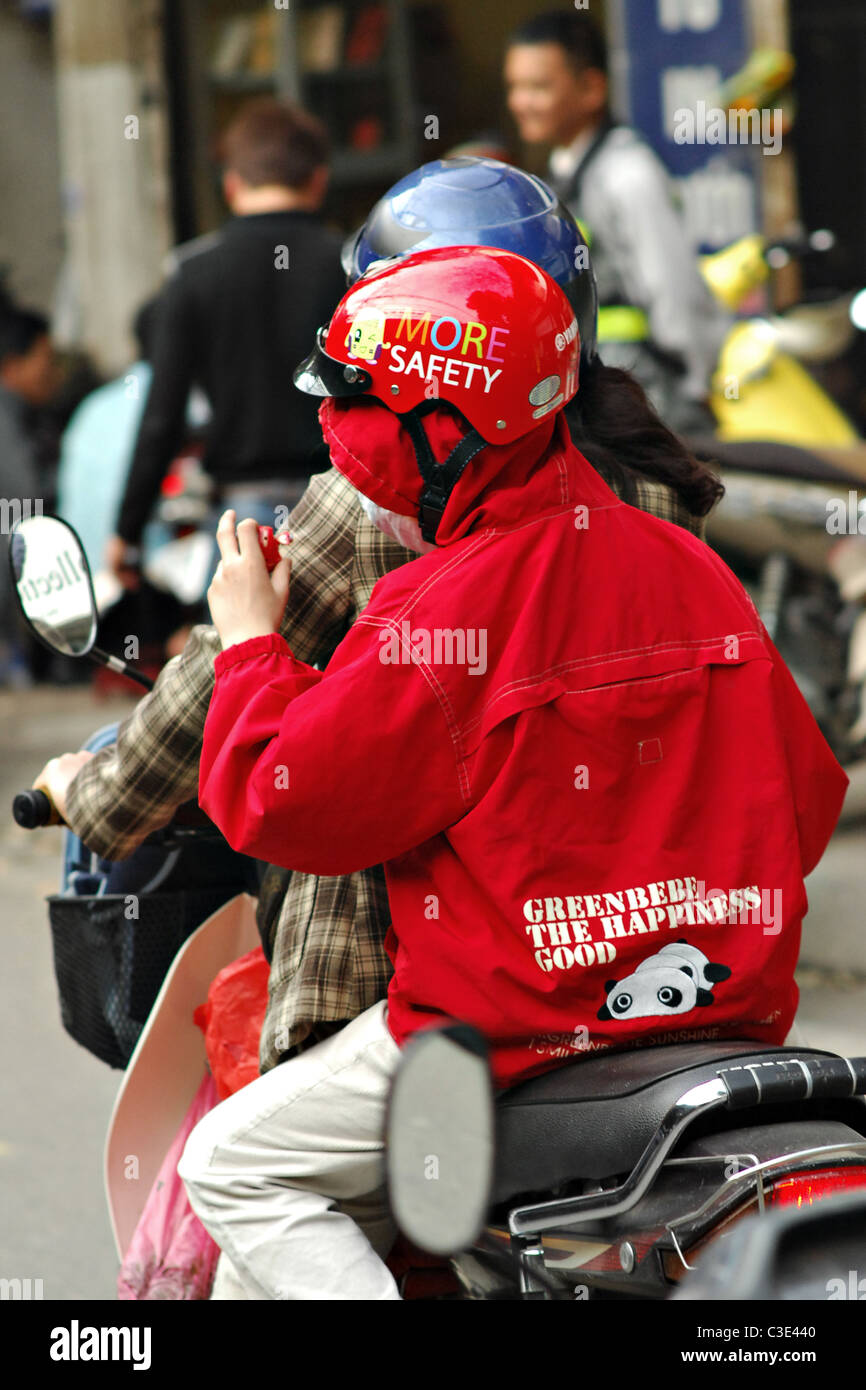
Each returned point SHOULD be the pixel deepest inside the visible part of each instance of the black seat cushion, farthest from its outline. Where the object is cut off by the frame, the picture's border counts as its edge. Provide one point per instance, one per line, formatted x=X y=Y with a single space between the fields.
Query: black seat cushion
x=593 y=1117
x=776 y=460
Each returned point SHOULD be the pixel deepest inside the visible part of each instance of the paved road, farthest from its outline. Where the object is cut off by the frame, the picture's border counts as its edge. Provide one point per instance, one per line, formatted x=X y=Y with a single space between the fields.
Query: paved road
x=55 y=1099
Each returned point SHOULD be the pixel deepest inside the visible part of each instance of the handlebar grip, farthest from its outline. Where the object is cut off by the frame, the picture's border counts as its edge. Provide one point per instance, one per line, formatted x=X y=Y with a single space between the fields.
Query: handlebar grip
x=793 y=1079
x=32 y=809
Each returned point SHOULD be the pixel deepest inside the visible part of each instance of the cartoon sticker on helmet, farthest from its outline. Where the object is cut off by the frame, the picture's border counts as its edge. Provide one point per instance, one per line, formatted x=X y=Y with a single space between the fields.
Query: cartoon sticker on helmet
x=675 y=980
x=366 y=335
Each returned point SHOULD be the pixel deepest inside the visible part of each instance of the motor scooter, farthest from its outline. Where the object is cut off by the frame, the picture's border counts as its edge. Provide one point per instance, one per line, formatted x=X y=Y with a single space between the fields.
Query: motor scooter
x=764 y=386
x=629 y=1173
x=792 y=523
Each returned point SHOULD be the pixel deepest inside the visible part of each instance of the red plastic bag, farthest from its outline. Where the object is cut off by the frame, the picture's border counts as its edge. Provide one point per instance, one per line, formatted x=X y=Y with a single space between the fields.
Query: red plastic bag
x=231 y=1021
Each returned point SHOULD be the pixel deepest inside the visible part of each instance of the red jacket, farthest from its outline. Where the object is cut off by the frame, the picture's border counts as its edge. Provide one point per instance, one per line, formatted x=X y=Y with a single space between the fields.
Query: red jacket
x=565 y=731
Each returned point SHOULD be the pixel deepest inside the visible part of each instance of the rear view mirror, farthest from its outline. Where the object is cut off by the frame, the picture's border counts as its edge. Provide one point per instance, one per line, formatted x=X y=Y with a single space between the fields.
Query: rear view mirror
x=53 y=585
x=439 y=1140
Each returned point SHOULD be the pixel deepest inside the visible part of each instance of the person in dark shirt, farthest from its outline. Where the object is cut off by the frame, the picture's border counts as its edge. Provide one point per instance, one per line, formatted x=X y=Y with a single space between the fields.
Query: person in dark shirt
x=29 y=379
x=235 y=319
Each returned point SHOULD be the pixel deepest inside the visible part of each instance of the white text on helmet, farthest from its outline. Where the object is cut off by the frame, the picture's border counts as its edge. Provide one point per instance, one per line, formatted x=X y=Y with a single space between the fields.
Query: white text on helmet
x=453 y=371
x=562 y=340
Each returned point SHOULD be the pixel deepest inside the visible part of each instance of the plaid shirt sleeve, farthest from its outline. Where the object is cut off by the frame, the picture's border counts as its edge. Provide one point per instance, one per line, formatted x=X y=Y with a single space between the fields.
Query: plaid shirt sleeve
x=663 y=502
x=329 y=961
x=135 y=786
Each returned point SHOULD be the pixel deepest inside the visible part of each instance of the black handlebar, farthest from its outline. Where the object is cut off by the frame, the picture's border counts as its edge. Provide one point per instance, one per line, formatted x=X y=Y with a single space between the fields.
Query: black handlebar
x=793 y=1079
x=32 y=809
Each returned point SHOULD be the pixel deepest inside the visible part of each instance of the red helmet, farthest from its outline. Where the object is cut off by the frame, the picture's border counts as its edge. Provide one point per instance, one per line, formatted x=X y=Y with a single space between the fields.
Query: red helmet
x=484 y=329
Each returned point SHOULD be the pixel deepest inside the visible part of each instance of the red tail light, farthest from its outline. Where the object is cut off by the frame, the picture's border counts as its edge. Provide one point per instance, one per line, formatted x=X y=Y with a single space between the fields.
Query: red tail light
x=804 y=1189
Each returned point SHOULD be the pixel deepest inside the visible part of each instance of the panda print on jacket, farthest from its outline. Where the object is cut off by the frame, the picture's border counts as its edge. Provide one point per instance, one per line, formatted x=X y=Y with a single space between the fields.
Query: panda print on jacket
x=676 y=979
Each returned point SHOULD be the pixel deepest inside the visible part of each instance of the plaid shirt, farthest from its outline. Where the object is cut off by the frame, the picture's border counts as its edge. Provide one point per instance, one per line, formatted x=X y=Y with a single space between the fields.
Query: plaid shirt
x=327 y=934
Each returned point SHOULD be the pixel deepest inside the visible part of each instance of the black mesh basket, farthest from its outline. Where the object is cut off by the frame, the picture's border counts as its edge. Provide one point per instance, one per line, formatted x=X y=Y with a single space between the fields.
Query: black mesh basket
x=110 y=968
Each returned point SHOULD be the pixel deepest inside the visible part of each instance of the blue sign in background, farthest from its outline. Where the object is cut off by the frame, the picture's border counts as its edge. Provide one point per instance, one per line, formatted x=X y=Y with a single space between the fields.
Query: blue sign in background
x=657 y=38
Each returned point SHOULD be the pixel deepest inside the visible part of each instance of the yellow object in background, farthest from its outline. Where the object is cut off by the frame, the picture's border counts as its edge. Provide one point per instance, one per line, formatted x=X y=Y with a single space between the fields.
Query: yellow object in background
x=759 y=392
x=765 y=73
x=622 y=323
x=735 y=271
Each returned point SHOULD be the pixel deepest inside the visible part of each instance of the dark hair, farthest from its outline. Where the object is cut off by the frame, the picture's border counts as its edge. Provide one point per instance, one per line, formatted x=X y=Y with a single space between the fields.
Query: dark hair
x=272 y=141
x=616 y=428
x=19 y=329
x=580 y=36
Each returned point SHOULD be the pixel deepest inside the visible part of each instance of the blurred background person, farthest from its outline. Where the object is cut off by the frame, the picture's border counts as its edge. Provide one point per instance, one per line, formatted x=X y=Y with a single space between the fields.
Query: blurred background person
x=95 y=457
x=236 y=318
x=656 y=317
x=29 y=378
x=98 y=444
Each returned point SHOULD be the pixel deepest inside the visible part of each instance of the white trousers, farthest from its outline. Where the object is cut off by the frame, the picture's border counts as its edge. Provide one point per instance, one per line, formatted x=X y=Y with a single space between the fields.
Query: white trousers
x=287 y=1175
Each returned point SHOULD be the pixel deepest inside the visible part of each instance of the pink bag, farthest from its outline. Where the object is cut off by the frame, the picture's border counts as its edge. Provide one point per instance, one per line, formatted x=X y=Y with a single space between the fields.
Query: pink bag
x=171 y=1255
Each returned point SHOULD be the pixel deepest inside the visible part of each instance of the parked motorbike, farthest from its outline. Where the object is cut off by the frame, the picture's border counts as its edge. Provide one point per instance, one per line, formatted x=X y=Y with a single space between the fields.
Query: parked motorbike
x=776 y=528
x=181 y=565
x=178 y=558
x=765 y=386
x=792 y=524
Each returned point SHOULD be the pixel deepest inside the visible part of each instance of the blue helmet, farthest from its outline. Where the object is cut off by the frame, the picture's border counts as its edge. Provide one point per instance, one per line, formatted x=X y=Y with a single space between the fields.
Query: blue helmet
x=481 y=202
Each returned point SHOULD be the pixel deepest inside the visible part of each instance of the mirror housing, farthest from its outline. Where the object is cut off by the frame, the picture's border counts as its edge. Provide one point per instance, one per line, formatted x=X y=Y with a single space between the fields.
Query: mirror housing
x=440 y=1139
x=53 y=584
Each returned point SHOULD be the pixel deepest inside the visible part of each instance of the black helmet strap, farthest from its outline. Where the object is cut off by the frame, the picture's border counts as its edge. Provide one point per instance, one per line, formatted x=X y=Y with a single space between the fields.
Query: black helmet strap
x=439 y=478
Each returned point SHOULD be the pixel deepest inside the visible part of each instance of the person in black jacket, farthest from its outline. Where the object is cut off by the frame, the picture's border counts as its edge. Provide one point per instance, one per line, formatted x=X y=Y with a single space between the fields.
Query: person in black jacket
x=235 y=319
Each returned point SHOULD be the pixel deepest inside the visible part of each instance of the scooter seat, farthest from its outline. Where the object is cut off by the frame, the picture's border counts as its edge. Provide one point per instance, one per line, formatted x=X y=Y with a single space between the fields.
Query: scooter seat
x=591 y=1118
x=786 y=461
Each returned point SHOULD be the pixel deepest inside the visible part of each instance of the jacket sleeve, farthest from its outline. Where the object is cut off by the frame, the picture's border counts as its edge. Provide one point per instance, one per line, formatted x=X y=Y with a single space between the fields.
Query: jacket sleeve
x=327 y=772
x=135 y=786
x=818 y=784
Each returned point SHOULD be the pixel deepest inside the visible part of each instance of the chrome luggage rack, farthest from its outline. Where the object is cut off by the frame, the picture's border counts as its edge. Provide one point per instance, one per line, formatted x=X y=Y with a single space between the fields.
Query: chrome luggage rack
x=734 y=1087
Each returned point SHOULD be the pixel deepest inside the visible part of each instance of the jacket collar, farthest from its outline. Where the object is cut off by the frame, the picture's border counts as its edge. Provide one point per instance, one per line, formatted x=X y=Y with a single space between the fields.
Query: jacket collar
x=504 y=485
